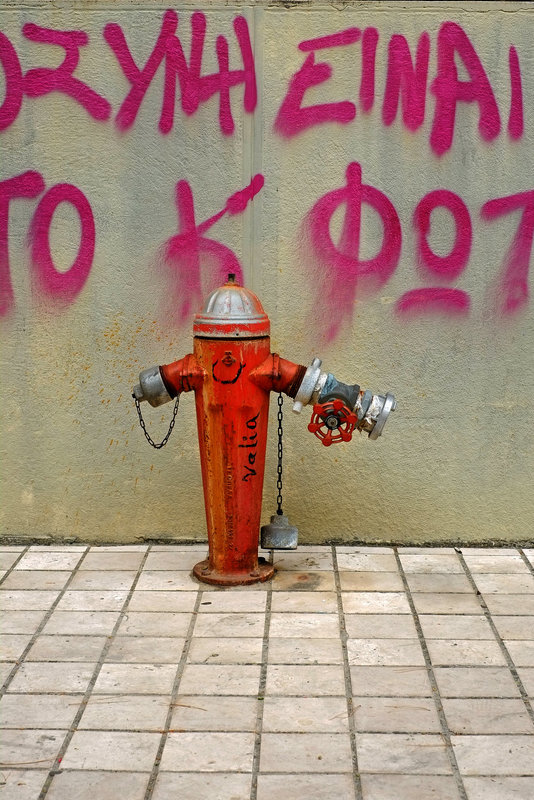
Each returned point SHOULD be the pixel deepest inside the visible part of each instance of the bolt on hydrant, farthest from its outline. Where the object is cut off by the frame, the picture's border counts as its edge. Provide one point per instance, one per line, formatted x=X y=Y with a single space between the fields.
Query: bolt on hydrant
x=232 y=373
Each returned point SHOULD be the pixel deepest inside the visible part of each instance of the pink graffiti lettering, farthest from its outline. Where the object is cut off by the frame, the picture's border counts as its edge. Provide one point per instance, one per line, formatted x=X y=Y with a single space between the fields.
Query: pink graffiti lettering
x=453 y=302
x=406 y=81
x=454 y=43
x=440 y=300
x=340 y=264
x=292 y=117
x=181 y=255
x=27 y=185
x=13 y=83
x=515 y=119
x=367 y=82
x=43 y=80
x=512 y=292
x=194 y=88
x=62 y=285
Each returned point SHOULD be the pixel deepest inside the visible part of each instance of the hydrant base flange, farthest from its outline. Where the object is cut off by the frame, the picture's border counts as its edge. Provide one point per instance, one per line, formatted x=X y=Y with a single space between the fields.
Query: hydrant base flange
x=263 y=572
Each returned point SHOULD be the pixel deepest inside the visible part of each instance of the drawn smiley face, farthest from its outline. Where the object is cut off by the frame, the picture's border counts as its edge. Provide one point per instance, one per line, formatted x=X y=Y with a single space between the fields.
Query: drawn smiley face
x=229 y=368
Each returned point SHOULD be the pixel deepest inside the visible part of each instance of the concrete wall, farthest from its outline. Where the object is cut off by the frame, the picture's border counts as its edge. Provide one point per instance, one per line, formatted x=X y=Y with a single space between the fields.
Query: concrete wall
x=392 y=237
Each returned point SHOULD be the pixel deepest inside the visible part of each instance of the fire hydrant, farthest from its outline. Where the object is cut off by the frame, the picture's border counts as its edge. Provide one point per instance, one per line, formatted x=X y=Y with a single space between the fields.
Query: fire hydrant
x=232 y=373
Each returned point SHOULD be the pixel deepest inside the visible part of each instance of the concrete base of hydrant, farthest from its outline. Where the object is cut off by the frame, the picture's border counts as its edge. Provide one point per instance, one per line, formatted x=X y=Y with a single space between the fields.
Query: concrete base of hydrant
x=202 y=571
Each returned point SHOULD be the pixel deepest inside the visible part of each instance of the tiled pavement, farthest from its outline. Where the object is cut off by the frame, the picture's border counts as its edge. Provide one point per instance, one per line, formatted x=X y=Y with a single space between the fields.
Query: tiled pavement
x=358 y=674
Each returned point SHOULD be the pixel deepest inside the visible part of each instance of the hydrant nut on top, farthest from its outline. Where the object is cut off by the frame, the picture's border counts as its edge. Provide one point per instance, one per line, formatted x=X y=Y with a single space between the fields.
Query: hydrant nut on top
x=232 y=373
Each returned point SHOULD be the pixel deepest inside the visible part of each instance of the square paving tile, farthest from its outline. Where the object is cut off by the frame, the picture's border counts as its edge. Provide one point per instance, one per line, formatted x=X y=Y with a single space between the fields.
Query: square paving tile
x=231 y=650
x=224 y=679
x=7 y=559
x=475 y=682
x=44 y=580
x=304 y=680
x=107 y=580
x=447 y=583
x=510 y=604
x=522 y=652
x=38 y=710
x=390 y=681
x=23 y=600
x=97 y=785
x=67 y=648
x=464 y=652
x=375 y=603
x=408 y=753
x=380 y=626
x=125 y=712
x=201 y=713
x=408 y=787
x=494 y=755
x=303 y=562
x=387 y=652
x=111 y=750
x=488 y=583
x=208 y=752
x=453 y=603
x=526 y=675
x=154 y=623
x=202 y=785
x=367 y=562
x=30 y=749
x=371 y=581
x=455 y=626
x=499 y=788
x=233 y=601
x=22 y=784
x=305 y=651
x=162 y=601
x=85 y=623
x=311 y=787
x=430 y=562
x=224 y=625
x=395 y=715
x=315 y=626
x=496 y=563
x=305 y=715
x=118 y=560
x=91 y=601
x=179 y=560
x=305 y=752
x=45 y=677
x=317 y=581
x=46 y=561
x=309 y=602
x=135 y=679
x=145 y=650
x=487 y=715
x=515 y=627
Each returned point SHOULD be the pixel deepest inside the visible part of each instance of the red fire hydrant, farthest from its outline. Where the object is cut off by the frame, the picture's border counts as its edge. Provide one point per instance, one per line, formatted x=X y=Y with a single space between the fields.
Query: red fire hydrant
x=232 y=373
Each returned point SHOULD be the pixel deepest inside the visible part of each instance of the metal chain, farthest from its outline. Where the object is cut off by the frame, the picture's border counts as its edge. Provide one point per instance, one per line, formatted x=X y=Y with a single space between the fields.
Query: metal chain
x=280 y=455
x=143 y=426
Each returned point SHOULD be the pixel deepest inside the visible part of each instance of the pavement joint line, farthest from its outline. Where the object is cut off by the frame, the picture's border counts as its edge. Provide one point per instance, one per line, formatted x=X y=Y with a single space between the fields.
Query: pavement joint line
x=21 y=659
x=445 y=732
x=348 y=679
x=261 y=694
x=87 y=694
x=504 y=650
x=174 y=694
x=13 y=565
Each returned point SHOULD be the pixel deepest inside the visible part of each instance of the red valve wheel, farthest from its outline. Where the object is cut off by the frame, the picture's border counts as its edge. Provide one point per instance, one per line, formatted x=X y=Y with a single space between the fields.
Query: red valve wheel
x=332 y=422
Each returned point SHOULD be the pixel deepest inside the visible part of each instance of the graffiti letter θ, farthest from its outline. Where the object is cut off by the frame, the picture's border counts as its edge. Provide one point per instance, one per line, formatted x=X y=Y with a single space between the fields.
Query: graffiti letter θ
x=13 y=83
x=43 y=80
x=62 y=285
x=182 y=254
x=29 y=184
x=452 y=43
x=342 y=269
x=292 y=118
x=512 y=292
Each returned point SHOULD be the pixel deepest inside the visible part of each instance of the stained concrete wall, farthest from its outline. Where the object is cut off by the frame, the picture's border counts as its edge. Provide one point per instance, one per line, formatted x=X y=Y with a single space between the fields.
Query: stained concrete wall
x=418 y=285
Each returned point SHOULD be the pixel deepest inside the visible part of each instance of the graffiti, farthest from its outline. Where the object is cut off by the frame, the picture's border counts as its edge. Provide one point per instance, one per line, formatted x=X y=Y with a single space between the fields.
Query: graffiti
x=195 y=88
x=182 y=254
x=251 y=440
x=406 y=84
x=340 y=264
x=65 y=285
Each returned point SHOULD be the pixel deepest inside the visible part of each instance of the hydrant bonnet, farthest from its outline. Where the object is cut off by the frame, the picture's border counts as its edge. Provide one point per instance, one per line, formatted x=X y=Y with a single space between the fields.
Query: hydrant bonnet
x=231 y=312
